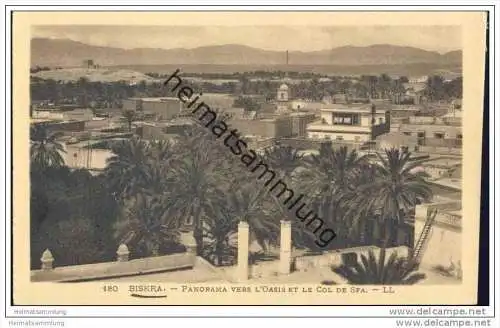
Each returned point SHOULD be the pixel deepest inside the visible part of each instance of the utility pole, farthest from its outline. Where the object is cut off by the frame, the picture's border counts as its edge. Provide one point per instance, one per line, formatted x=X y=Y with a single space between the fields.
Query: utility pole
x=373 y=111
x=89 y=155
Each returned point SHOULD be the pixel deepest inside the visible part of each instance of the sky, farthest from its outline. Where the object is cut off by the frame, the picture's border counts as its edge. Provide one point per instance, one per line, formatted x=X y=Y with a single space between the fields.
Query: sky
x=293 y=38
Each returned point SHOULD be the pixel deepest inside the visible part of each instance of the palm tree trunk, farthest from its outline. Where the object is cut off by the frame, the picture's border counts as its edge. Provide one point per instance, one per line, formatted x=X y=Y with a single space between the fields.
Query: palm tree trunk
x=401 y=231
x=156 y=250
x=219 y=256
x=198 y=231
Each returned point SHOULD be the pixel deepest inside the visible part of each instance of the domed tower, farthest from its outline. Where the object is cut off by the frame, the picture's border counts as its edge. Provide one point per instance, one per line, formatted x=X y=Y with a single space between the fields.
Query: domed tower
x=283 y=93
x=282 y=98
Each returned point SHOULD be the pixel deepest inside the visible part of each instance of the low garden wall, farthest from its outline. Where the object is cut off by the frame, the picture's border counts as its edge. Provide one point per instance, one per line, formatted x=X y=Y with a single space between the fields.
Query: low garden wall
x=120 y=268
x=334 y=258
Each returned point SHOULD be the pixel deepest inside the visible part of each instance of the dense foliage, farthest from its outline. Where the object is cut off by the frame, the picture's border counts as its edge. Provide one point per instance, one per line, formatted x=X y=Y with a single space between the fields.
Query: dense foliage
x=101 y=95
x=377 y=271
x=150 y=190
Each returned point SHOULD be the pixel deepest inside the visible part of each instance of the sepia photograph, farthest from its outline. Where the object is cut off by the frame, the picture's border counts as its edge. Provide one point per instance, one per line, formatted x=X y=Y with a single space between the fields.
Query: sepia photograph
x=225 y=162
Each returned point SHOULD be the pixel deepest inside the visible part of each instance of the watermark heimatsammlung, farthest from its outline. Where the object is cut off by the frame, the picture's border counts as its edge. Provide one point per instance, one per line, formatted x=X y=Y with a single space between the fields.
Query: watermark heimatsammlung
x=219 y=128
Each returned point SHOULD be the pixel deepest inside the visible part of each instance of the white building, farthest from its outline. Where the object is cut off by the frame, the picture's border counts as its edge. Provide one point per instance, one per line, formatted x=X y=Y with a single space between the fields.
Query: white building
x=418 y=79
x=282 y=99
x=81 y=156
x=350 y=123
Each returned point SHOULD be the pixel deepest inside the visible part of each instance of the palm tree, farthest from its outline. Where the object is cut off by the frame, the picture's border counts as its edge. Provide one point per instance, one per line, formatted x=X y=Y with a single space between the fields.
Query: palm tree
x=250 y=203
x=130 y=117
x=161 y=150
x=434 y=88
x=286 y=160
x=332 y=173
x=397 y=188
x=220 y=227
x=45 y=150
x=283 y=158
x=370 y=271
x=200 y=175
x=330 y=179
x=127 y=171
x=196 y=188
x=160 y=156
x=362 y=224
x=146 y=225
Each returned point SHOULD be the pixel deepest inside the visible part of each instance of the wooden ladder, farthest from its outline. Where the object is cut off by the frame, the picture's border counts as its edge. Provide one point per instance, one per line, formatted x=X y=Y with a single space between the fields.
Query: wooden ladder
x=424 y=235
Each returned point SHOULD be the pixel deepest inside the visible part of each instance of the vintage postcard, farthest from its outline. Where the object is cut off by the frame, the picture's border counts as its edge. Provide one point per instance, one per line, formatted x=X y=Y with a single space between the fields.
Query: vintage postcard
x=238 y=158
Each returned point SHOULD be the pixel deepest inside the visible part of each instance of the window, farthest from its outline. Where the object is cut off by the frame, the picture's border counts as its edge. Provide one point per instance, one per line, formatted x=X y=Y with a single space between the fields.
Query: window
x=407 y=133
x=345 y=119
x=439 y=135
x=339 y=138
x=421 y=138
x=327 y=137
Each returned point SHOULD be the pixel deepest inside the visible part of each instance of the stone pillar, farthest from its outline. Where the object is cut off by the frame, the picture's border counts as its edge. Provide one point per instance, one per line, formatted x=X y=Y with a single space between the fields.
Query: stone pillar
x=187 y=239
x=47 y=260
x=285 y=247
x=122 y=254
x=243 y=245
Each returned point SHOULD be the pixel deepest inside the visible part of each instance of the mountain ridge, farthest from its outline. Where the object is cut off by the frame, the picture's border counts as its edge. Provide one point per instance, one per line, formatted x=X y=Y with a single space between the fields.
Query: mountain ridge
x=65 y=52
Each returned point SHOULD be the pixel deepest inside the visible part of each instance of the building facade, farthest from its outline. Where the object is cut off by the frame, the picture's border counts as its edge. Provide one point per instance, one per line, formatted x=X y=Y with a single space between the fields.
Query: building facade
x=162 y=108
x=280 y=126
x=357 y=123
x=443 y=247
x=434 y=131
x=300 y=122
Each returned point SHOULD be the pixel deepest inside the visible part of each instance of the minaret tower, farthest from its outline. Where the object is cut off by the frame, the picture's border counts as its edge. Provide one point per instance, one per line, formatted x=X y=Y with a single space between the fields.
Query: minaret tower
x=282 y=95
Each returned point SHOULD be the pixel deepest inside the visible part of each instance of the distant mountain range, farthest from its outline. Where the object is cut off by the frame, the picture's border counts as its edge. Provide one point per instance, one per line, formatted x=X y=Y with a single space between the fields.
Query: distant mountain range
x=63 y=52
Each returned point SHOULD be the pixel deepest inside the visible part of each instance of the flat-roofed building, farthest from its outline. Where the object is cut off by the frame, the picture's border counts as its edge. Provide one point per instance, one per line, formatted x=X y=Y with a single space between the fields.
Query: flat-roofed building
x=79 y=114
x=396 y=140
x=59 y=125
x=162 y=107
x=444 y=132
x=168 y=107
x=166 y=130
x=445 y=169
x=300 y=122
x=218 y=100
x=275 y=127
x=83 y=155
x=404 y=111
x=358 y=123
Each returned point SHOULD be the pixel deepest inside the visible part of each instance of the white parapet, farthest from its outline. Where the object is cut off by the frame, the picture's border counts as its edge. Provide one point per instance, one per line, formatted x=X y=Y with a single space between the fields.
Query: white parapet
x=242 y=272
x=285 y=247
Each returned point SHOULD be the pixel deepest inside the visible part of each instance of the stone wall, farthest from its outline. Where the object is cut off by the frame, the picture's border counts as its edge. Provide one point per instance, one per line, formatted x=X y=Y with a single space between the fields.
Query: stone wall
x=122 y=267
x=441 y=150
x=334 y=258
x=444 y=246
